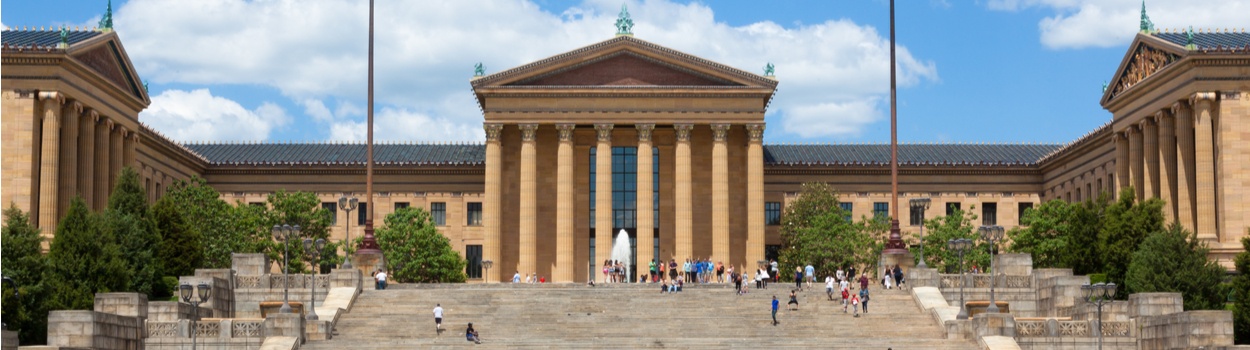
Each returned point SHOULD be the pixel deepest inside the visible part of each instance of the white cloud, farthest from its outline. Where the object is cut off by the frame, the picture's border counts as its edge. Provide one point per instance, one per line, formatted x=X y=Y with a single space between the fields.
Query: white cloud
x=843 y=119
x=425 y=53
x=1106 y=23
x=199 y=116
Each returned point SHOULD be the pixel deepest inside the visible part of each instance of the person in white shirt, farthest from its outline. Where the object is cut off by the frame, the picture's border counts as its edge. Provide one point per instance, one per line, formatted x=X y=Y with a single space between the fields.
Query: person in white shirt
x=438 y=317
x=516 y=277
x=380 y=280
x=829 y=287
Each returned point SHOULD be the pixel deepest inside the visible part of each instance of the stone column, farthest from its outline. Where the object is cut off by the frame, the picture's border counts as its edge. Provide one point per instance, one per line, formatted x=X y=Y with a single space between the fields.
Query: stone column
x=50 y=110
x=86 y=156
x=1185 y=167
x=101 y=166
x=527 y=232
x=1136 y=161
x=646 y=199
x=603 y=196
x=1167 y=166
x=1150 y=149
x=69 y=155
x=115 y=154
x=755 y=194
x=720 y=192
x=565 y=204
x=1121 y=162
x=683 y=195
x=491 y=206
x=1204 y=156
x=128 y=146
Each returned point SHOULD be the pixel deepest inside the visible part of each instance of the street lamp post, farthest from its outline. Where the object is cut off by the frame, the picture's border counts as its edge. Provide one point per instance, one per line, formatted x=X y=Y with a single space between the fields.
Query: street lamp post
x=284 y=233
x=314 y=251
x=486 y=264
x=961 y=246
x=1099 y=294
x=186 y=290
x=992 y=233
x=348 y=205
x=921 y=204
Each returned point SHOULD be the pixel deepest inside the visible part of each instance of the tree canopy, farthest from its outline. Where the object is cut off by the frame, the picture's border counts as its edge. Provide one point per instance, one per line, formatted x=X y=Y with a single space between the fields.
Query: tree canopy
x=1125 y=226
x=941 y=229
x=415 y=251
x=1174 y=260
x=816 y=231
x=23 y=261
x=83 y=260
x=1062 y=234
x=130 y=223
x=1241 y=296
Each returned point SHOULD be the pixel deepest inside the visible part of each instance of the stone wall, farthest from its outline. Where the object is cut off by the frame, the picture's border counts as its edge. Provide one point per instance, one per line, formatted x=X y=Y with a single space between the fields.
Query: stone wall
x=209 y=333
x=168 y=311
x=1187 y=330
x=95 y=330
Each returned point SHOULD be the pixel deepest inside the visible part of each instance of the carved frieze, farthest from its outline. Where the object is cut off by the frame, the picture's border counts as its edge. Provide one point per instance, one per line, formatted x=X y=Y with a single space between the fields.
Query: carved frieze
x=1145 y=61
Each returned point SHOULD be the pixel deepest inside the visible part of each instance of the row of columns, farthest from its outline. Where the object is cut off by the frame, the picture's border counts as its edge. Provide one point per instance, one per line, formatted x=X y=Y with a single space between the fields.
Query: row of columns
x=79 y=153
x=1170 y=155
x=565 y=195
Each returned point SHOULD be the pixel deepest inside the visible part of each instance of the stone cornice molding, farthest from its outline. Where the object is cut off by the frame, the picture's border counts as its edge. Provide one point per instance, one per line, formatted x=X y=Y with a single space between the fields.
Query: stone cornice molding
x=770 y=169
x=644 y=131
x=755 y=132
x=565 y=131
x=720 y=132
x=683 y=131
x=603 y=132
x=493 y=131
x=528 y=132
x=327 y=170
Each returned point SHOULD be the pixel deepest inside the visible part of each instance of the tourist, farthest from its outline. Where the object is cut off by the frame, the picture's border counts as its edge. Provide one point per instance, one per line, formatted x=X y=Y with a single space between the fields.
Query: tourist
x=844 y=285
x=887 y=280
x=775 y=305
x=810 y=272
x=841 y=274
x=737 y=283
x=651 y=268
x=850 y=274
x=798 y=277
x=516 y=277
x=829 y=287
x=863 y=280
x=679 y=284
x=794 y=300
x=775 y=272
x=607 y=271
x=764 y=279
x=470 y=334
x=379 y=280
x=730 y=270
x=672 y=270
x=846 y=294
x=855 y=304
x=863 y=298
x=438 y=318
x=542 y=279
x=720 y=272
x=685 y=269
x=898 y=276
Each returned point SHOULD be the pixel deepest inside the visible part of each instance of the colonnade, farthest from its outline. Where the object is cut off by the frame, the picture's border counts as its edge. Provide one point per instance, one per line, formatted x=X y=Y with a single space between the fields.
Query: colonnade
x=565 y=195
x=76 y=151
x=1170 y=154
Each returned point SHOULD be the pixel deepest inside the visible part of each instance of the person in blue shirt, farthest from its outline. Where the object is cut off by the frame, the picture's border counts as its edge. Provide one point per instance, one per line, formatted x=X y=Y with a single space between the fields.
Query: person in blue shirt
x=810 y=272
x=775 y=305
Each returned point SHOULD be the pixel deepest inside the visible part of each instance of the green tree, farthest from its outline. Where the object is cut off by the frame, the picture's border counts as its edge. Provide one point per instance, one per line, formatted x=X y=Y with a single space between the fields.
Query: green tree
x=303 y=209
x=1083 y=234
x=1241 y=290
x=128 y=219
x=815 y=230
x=23 y=261
x=83 y=260
x=223 y=229
x=1174 y=260
x=182 y=248
x=941 y=229
x=1062 y=234
x=415 y=251
x=1125 y=226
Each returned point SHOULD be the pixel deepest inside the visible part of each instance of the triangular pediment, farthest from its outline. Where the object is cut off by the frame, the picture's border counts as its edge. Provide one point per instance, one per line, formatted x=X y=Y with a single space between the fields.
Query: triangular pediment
x=1147 y=56
x=624 y=61
x=104 y=55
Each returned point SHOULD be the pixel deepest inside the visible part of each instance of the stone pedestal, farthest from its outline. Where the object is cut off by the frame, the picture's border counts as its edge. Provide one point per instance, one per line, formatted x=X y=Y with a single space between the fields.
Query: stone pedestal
x=1154 y=304
x=922 y=277
x=367 y=263
x=986 y=324
x=249 y=264
x=9 y=340
x=903 y=258
x=288 y=325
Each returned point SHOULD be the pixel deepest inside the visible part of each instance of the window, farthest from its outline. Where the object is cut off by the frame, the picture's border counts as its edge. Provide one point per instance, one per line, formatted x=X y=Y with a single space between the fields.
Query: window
x=1078 y=194
x=952 y=207
x=475 y=214
x=847 y=209
x=473 y=253
x=362 y=213
x=880 y=211
x=624 y=190
x=333 y=208
x=772 y=213
x=1023 y=208
x=989 y=213
x=439 y=211
x=917 y=216
x=1089 y=191
x=400 y=205
x=1100 y=187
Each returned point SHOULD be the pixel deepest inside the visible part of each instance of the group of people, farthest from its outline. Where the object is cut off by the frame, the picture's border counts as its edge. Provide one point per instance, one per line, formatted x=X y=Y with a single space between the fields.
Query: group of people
x=692 y=271
x=532 y=278
x=470 y=334
x=893 y=278
x=614 y=272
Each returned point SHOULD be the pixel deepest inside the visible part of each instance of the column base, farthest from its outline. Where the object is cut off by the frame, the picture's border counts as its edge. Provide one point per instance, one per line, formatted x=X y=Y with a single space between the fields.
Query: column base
x=368 y=262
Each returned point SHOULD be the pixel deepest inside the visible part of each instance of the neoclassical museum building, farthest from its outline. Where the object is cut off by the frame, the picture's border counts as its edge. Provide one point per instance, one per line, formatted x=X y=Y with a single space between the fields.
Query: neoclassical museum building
x=630 y=150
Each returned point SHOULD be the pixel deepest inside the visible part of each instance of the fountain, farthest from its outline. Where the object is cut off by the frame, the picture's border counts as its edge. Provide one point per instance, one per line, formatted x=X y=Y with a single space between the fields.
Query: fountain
x=622 y=252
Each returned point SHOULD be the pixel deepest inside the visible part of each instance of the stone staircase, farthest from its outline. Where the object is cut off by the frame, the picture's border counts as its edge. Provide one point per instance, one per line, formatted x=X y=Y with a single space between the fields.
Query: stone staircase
x=629 y=316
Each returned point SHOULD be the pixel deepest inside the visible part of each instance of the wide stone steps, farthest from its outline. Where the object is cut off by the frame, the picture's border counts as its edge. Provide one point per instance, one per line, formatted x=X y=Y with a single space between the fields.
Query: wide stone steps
x=629 y=316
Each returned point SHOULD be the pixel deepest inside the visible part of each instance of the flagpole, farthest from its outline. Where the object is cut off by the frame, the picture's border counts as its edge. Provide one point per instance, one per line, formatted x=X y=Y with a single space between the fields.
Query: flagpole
x=369 y=244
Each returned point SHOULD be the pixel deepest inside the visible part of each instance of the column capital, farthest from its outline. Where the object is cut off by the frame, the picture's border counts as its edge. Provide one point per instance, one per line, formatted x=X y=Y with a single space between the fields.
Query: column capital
x=1179 y=106
x=566 y=132
x=720 y=132
x=1162 y=114
x=108 y=123
x=644 y=132
x=121 y=129
x=528 y=131
x=92 y=115
x=755 y=132
x=493 y=131
x=76 y=106
x=134 y=136
x=1147 y=121
x=1202 y=96
x=604 y=131
x=52 y=95
x=683 y=132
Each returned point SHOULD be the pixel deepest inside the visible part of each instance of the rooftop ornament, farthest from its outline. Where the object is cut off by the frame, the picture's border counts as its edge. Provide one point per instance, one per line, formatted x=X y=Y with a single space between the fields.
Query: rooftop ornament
x=479 y=70
x=64 y=38
x=1189 y=39
x=1146 y=25
x=624 y=25
x=769 y=69
x=106 y=22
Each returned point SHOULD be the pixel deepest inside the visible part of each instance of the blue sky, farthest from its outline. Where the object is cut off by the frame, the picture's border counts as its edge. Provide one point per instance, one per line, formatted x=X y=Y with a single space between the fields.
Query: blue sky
x=286 y=70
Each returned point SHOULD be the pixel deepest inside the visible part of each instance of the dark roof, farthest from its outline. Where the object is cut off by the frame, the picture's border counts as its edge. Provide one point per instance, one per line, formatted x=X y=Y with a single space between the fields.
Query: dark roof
x=909 y=154
x=1208 y=40
x=339 y=154
x=44 y=38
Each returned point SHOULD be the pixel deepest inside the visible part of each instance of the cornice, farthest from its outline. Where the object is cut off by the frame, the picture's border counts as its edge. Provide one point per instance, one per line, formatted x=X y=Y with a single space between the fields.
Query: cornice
x=885 y=171
x=253 y=170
